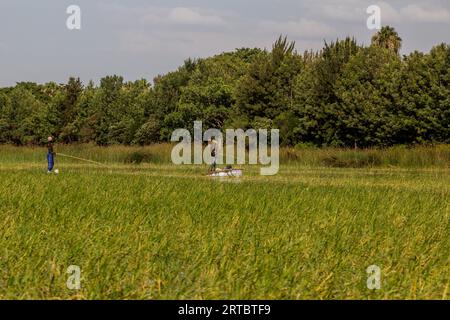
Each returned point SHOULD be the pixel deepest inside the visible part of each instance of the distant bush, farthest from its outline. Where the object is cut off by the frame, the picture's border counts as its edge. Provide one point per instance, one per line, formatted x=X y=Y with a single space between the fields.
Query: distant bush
x=398 y=156
x=138 y=157
x=305 y=146
x=352 y=160
x=290 y=155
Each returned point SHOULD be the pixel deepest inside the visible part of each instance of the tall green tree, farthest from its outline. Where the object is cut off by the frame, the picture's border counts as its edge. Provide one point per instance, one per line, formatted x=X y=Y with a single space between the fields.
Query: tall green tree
x=266 y=90
x=5 y=122
x=342 y=95
x=69 y=131
x=425 y=96
x=366 y=113
x=387 y=38
x=316 y=101
x=106 y=105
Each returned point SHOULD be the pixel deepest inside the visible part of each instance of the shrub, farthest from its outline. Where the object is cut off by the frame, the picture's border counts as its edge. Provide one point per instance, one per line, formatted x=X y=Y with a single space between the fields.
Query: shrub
x=352 y=160
x=137 y=157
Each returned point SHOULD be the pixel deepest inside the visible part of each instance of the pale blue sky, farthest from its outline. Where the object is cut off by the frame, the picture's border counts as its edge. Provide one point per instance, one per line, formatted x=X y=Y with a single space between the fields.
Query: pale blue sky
x=140 y=39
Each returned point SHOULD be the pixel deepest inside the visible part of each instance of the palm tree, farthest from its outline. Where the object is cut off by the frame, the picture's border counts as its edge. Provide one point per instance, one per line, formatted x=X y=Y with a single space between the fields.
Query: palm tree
x=387 y=38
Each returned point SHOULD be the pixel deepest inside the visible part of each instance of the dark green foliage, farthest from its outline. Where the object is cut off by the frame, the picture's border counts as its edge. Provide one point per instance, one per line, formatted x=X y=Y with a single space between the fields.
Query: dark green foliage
x=316 y=100
x=138 y=157
x=387 y=38
x=69 y=131
x=148 y=133
x=344 y=95
x=355 y=160
x=267 y=89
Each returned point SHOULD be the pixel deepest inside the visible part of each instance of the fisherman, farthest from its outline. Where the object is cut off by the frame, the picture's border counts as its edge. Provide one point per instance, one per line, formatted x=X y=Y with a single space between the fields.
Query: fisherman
x=50 y=155
x=212 y=144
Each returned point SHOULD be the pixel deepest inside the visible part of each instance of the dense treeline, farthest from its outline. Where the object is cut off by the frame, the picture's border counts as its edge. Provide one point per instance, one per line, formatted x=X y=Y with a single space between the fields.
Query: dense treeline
x=344 y=95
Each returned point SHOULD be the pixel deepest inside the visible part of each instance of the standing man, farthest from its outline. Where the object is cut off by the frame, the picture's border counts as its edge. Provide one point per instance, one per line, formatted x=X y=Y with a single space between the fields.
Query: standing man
x=50 y=155
x=212 y=144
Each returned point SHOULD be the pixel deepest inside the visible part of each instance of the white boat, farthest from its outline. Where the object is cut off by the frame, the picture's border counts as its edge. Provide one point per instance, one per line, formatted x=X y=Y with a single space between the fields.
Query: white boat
x=227 y=173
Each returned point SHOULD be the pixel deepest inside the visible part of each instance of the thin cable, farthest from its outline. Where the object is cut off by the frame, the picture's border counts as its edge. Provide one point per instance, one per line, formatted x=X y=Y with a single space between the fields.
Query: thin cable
x=91 y=161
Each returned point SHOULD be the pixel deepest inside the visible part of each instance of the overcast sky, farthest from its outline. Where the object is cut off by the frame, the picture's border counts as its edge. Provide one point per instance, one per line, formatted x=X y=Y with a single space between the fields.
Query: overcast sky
x=140 y=39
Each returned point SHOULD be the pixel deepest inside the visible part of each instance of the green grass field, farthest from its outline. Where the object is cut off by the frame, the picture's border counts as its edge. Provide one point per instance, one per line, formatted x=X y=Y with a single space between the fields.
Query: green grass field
x=159 y=231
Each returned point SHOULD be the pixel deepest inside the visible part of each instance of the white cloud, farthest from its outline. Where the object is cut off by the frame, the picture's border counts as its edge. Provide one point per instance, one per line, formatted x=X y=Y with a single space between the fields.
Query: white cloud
x=302 y=28
x=343 y=12
x=416 y=13
x=355 y=11
x=424 y=13
x=388 y=13
x=152 y=15
x=182 y=15
x=169 y=16
x=185 y=44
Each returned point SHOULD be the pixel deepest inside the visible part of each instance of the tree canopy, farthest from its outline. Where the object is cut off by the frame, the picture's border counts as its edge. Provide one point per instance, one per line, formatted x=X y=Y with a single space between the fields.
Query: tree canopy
x=344 y=95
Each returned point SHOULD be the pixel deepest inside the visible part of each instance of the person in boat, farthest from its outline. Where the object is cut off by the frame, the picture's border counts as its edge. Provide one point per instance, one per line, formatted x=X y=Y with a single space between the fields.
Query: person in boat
x=213 y=146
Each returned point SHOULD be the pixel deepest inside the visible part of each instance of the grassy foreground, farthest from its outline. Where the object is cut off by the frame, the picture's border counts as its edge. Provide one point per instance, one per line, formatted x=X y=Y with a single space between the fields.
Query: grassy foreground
x=158 y=231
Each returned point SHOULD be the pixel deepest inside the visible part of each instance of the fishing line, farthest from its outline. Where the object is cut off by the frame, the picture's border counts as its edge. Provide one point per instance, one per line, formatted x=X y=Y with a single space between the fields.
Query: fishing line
x=81 y=159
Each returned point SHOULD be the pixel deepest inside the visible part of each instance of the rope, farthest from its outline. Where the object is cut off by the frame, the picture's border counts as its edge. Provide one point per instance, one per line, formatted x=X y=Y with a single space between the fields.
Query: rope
x=95 y=162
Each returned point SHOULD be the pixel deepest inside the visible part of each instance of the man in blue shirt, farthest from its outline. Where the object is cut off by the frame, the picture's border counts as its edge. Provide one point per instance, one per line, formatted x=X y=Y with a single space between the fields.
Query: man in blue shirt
x=50 y=155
